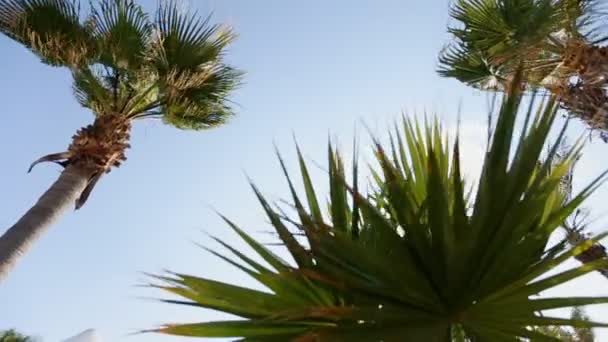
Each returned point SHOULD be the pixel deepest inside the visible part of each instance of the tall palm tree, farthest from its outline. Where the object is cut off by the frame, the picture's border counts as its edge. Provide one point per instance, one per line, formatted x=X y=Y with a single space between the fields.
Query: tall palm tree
x=418 y=258
x=584 y=334
x=558 y=42
x=575 y=225
x=13 y=336
x=126 y=66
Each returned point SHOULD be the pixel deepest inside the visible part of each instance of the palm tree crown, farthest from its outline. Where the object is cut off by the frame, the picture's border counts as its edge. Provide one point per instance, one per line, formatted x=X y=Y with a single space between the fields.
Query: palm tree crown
x=557 y=42
x=127 y=65
x=416 y=259
x=125 y=62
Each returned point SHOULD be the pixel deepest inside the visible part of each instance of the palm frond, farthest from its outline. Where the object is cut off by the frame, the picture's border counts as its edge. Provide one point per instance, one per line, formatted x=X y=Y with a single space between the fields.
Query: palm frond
x=471 y=68
x=185 y=42
x=508 y=34
x=50 y=28
x=122 y=30
x=187 y=55
x=555 y=42
x=427 y=262
x=90 y=90
x=199 y=100
x=504 y=28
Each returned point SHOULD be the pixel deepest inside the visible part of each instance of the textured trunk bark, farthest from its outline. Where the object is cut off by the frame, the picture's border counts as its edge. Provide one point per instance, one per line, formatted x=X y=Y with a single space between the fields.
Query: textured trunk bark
x=596 y=252
x=58 y=198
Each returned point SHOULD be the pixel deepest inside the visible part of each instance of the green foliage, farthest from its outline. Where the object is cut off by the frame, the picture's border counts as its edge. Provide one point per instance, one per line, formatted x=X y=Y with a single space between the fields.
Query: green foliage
x=493 y=38
x=417 y=258
x=50 y=28
x=124 y=61
x=578 y=334
x=582 y=334
x=122 y=30
x=13 y=336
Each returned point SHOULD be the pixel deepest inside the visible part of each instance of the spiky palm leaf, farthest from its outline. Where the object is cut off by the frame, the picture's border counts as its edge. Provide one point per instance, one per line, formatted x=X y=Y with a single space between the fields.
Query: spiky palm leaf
x=122 y=30
x=417 y=259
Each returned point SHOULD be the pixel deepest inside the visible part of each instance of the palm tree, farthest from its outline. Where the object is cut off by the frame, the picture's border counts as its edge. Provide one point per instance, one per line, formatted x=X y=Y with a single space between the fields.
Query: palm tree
x=418 y=258
x=584 y=334
x=13 y=336
x=575 y=225
x=126 y=66
x=558 y=43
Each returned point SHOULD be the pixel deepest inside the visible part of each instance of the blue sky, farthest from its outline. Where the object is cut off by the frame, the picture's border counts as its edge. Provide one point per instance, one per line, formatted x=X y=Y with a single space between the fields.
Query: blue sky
x=314 y=69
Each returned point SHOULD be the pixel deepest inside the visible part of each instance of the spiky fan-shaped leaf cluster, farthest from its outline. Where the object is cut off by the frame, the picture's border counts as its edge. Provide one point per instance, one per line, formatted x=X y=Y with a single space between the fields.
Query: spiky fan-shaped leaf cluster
x=418 y=258
x=127 y=62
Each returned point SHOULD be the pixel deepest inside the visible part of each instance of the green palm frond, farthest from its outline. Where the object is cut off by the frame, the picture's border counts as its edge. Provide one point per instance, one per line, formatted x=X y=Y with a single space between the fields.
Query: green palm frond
x=186 y=42
x=122 y=30
x=504 y=28
x=50 y=28
x=578 y=334
x=90 y=90
x=415 y=259
x=557 y=43
x=510 y=34
x=471 y=68
x=199 y=100
x=194 y=81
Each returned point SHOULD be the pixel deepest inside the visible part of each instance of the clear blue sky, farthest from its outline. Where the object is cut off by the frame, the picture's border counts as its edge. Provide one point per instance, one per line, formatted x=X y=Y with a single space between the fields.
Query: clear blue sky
x=315 y=68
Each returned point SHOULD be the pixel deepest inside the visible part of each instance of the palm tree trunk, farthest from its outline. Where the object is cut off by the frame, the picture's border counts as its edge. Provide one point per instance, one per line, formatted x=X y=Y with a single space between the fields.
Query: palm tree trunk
x=59 y=197
x=596 y=252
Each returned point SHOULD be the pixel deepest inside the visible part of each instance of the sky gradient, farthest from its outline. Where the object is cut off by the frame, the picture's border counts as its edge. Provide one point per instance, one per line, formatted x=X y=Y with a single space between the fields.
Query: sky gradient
x=315 y=69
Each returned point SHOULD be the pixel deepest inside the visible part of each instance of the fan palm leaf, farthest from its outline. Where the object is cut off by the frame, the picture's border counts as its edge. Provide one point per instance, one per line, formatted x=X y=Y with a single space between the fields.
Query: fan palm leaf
x=50 y=28
x=472 y=69
x=122 y=30
x=193 y=82
x=417 y=258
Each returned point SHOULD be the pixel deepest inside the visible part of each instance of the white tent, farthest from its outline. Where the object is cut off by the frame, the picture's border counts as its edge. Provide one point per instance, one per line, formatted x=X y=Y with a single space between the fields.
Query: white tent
x=89 y=335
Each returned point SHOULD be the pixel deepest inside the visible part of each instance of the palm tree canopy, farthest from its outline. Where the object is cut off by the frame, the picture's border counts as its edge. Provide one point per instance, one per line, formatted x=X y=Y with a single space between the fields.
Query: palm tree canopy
x=492 y=38
x=582 y=334
x=579 y=334
x=418 y=258
x=126 y=62
x=13 y=336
